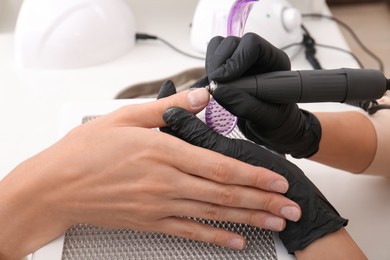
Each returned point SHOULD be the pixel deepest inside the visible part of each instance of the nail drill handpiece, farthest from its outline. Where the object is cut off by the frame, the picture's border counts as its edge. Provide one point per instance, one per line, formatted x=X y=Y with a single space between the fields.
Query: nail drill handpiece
x=339 y=85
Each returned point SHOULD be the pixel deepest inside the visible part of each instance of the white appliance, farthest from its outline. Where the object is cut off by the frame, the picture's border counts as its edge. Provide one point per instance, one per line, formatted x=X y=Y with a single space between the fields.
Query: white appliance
x=309 y=6
x=61 y=34
x=274 y=20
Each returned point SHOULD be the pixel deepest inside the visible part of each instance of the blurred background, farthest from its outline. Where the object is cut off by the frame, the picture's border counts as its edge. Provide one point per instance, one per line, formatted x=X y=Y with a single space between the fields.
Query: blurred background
x=370 y=19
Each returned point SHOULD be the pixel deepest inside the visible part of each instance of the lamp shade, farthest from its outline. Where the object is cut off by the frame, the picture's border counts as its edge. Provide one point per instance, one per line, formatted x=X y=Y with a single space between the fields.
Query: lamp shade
x=61 y=34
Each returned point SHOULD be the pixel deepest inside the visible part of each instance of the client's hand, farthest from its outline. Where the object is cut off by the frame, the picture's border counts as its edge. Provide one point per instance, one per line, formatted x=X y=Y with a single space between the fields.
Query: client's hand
x=118 y=171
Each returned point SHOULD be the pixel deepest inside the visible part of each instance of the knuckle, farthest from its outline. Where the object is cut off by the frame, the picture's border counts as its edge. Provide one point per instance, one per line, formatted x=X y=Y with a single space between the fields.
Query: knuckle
x=213 y=212
x=267 y=203
x=251 y=38
x=272 y=202
x=216 y=40
x=253 y=219
x=168 y=102
x=263 y=179
x=220 y=173
x=227 y=196
x=190 y=233
x=259 y=180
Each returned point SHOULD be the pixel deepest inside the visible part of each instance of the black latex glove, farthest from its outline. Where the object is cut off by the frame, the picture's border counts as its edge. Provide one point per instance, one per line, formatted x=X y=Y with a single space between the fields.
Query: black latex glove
x=280 y=127
x=167 y=89
x=233 y=57
x=318 y=215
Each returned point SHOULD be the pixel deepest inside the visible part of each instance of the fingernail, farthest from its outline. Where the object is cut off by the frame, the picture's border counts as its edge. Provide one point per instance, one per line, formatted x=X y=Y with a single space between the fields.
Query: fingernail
x=198 y=97
x=274 y=223
x=236 y=243
x=291 y=213
x=279 y=186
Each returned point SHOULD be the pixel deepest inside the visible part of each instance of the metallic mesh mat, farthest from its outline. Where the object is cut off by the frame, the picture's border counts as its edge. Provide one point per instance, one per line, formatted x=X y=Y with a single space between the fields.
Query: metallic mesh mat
x=84 y=242
x=88 y=242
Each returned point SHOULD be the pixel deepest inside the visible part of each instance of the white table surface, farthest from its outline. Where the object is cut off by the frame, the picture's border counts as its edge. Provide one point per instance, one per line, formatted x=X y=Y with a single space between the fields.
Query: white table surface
x=31 y=102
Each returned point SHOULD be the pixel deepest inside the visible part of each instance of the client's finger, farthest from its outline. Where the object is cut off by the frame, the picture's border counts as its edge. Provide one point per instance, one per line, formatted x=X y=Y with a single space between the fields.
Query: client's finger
x=149 y=115
x=193 y=230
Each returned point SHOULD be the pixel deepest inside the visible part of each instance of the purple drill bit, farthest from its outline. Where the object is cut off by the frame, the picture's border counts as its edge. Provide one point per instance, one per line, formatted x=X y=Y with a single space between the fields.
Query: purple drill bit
x=217 y=117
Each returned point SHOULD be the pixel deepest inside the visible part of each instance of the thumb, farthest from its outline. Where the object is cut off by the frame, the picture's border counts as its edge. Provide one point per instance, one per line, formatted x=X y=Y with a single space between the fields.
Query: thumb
x=149 y=115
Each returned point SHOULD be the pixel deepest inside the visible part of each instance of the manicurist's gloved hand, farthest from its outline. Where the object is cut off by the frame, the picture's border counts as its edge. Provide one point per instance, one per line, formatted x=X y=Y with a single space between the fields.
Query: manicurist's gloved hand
x=233 y=57
x=281 y=127
x=318 y=219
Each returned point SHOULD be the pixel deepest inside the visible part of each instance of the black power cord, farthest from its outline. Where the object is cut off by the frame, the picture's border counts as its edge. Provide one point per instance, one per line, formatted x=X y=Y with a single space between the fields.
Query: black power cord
x=352 y=33
x=328 y=47
x=370 y=106
x=308 y=40
x=144 y=36
x=310 y=50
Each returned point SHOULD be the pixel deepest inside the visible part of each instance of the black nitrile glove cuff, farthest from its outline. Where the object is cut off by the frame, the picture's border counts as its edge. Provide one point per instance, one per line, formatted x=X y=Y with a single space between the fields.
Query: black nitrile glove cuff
x=299 y=135
x=319 y=217
x=292 y=244
x=310 y=137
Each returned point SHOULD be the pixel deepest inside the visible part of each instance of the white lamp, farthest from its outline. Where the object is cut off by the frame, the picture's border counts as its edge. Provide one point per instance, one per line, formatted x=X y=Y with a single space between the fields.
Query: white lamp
x=275 y=20
x=61 y=34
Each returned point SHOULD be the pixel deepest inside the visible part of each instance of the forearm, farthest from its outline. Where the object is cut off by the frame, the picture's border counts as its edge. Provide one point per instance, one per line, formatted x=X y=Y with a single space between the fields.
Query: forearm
x=380 y=164
x=27 y=220
x=337 y=245
x=348 y=141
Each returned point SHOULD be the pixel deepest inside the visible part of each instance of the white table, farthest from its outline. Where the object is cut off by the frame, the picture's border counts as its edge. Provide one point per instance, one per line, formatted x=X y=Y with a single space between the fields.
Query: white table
x=31 y=102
